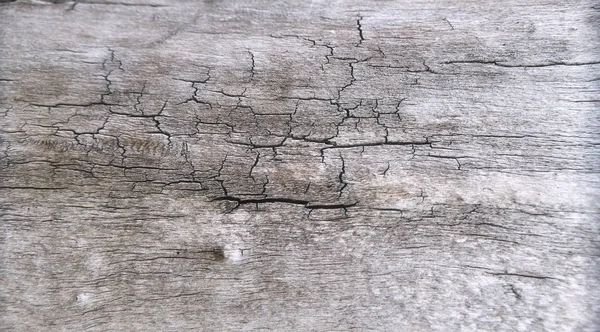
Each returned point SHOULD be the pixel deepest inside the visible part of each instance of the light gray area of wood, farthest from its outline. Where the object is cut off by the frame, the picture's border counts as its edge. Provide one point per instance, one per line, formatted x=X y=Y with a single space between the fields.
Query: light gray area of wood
x=299 y=165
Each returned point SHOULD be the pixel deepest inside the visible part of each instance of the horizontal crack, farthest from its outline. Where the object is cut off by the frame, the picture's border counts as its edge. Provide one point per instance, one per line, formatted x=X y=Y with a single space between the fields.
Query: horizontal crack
x=504 y=64
x=305 y=203
x=520 y=275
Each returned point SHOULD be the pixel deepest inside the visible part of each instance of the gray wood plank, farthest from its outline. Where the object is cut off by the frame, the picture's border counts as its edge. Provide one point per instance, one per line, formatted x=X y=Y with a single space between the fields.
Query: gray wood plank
x=299 y=166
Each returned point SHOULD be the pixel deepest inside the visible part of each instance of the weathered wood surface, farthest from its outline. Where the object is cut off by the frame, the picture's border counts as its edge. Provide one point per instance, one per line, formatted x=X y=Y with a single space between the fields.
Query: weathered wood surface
x=299 y=165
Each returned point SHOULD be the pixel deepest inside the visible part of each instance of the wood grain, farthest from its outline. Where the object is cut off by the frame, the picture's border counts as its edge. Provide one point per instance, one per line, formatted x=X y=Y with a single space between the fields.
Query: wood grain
x=341 y=165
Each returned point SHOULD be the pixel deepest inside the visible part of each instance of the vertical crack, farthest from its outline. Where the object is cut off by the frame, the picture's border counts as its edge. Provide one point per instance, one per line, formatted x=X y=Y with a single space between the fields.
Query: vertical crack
x=386 y=169
x=112 y=60
x=138 y=100
x=307 y=187
x=157 y=123
x=341 y=176
x=253 y=65
x=253 y=166
x=264 y=186
x=218 y=176
x=360 y=30
x=121 y=146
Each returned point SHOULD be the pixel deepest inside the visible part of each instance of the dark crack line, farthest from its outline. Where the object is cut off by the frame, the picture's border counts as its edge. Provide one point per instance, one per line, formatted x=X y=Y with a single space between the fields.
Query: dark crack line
x=514 y=291
x=386 y=169
x=520 y=275
x=305 y=203
x=447 y=157
x=253 y=166
x=110 y=3
x=253 y=65
x=447 y=21
x=341 y=176
x=503 y=64
x=360 y=31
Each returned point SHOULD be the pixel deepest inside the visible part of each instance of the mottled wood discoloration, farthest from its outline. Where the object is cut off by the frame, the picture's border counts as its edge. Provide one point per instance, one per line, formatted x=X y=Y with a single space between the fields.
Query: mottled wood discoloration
x=298 y=166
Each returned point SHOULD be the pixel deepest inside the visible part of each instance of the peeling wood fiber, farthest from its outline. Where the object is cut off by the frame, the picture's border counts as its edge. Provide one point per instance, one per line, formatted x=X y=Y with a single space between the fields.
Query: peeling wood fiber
x=343 y=165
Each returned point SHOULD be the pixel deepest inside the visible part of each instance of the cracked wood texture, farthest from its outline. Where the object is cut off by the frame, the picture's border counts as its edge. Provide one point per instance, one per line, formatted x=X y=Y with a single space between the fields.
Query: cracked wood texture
x=299 y=165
